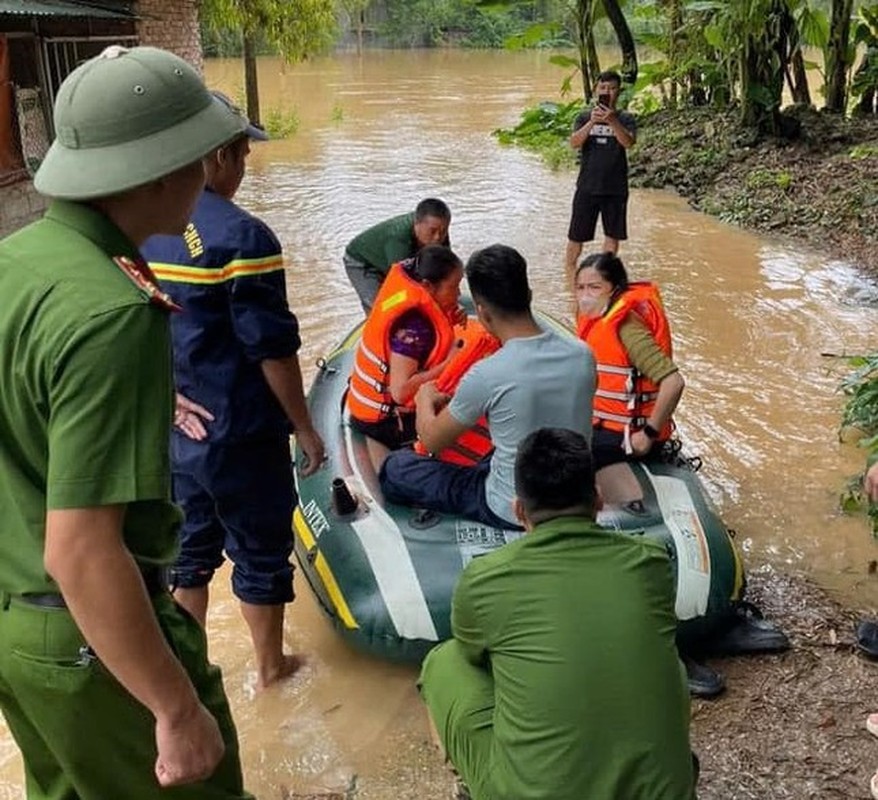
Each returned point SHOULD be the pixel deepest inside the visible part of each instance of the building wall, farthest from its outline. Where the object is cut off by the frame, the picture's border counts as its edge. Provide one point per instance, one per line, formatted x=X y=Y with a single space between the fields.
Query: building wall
x=172 y=25
x=20 y=204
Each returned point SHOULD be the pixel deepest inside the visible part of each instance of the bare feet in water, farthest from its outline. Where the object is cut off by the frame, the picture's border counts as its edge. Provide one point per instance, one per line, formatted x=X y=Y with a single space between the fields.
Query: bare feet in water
x=288 y=666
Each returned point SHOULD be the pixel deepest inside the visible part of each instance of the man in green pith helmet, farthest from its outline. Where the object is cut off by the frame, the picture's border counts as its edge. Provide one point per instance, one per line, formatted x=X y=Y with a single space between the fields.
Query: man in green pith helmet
x=104 y=681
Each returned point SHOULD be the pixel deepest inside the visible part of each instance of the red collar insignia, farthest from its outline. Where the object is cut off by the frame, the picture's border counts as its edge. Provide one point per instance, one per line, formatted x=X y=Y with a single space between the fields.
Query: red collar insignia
x=143 y=278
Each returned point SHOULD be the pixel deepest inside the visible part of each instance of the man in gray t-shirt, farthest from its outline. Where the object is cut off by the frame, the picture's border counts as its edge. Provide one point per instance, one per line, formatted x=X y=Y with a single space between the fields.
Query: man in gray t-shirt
x=537 y=379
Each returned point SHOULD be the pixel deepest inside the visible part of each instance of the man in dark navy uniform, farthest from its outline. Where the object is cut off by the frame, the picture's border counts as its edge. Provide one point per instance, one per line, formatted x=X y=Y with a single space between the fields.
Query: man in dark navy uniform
x=239 y=391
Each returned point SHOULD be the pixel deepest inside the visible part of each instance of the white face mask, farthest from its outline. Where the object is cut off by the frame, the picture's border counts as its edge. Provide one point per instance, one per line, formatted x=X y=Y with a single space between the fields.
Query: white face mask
x=592 y=307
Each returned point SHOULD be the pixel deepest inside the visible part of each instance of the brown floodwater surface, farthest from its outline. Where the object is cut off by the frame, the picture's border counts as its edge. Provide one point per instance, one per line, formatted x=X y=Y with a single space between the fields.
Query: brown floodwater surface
x=752 y=318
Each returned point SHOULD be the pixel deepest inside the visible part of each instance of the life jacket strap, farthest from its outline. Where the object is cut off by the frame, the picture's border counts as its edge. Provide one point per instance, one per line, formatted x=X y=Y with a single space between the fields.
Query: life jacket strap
x=376 y=360
x=379 y=387
x=612 y=369
x=469 y=455
x=384 y=408
x=638 y=422
x=621 y=419
x=622 y=396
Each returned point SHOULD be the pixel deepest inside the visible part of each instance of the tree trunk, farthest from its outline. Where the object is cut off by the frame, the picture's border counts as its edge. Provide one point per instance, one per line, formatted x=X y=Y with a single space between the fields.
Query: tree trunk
x=594 y=61
x=868 y=103
x=800 y=91
x=626 y=40
x=588 y=57
x=836 y=55
x=251 y=80
x=790 y=52
x=675 y=24
x=360 y=20
x=763 y=65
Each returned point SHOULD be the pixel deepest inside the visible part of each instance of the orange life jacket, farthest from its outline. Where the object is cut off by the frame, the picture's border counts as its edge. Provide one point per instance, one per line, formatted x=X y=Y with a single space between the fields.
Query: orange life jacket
x=368 y=397
x=625 y=398
x=474 y=343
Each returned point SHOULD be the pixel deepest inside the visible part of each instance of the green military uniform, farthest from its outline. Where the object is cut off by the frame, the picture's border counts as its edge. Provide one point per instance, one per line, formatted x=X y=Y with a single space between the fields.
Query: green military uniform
x=81 y=340
x=562 y=681
x=369 y=256
x=382 y=245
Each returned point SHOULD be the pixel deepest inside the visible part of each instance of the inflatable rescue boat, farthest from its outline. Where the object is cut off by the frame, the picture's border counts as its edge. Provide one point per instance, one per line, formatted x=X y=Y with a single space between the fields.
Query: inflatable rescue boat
x=385 y=574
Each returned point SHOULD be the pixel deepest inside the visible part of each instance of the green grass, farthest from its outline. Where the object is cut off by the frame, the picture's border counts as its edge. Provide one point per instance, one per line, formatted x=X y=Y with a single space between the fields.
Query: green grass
x=282 y=123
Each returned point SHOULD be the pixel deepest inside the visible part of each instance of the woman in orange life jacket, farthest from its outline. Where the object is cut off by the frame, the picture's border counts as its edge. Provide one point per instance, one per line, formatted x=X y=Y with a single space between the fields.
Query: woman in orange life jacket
x=407 y=340
x=639 y=385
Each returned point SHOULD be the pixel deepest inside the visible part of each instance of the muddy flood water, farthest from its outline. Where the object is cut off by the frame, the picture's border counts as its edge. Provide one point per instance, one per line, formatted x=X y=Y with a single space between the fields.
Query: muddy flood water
x=753 y=319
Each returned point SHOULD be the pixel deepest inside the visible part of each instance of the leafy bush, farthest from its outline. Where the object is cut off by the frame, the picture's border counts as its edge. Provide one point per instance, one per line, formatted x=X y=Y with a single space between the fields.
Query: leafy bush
x=861 y=413
x=545 y=129
x=282 y=123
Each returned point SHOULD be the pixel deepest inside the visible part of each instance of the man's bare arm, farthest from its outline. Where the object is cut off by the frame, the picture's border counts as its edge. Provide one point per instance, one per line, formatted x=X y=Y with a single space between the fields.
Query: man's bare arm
x=578 y=137
x=102 y=586
x=284 y=378
x=623 y=136
x=436 y=427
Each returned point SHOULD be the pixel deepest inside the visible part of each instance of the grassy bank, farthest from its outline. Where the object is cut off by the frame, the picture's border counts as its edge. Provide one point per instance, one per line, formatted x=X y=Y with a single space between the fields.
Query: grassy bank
x=821 y=188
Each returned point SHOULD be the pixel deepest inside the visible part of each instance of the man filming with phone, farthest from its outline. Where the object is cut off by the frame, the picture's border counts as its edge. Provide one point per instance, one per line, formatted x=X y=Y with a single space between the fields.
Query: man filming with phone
x=602 y=134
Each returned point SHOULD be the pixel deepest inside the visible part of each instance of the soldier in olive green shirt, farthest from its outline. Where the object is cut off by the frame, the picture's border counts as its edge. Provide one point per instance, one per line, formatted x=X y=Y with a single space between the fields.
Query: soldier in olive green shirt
x=370 y=255
x=562 y=681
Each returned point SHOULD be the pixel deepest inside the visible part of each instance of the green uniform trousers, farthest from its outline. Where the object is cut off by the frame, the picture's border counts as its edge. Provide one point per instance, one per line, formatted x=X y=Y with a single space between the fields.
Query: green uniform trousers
x=460 y=697
x=83 y=737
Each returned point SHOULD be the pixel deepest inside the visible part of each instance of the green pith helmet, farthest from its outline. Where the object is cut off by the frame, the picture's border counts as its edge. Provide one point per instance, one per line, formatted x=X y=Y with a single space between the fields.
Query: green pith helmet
x=128 y=117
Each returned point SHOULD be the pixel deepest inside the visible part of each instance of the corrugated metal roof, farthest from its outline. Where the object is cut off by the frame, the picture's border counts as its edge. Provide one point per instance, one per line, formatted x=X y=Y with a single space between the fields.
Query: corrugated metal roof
x=59 y=8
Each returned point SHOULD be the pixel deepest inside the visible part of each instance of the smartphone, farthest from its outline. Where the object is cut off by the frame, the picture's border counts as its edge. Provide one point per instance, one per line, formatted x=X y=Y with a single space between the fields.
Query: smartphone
x=604 y=100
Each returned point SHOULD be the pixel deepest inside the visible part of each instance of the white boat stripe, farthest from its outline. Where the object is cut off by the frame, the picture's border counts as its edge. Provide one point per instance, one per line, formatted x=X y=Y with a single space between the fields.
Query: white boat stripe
x=693 y=552
x=391 y=564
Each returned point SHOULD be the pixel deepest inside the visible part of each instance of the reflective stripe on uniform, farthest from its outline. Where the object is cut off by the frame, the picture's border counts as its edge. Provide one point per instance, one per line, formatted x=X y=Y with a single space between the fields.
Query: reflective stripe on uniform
x=240 y=268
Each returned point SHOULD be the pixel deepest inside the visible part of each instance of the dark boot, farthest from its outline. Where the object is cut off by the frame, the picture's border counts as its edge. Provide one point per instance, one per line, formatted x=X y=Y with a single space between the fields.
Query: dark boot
x=703 y=681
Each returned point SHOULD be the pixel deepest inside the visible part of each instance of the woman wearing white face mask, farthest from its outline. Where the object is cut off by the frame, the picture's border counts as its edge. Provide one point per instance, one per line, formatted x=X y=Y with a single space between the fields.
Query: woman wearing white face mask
x=639 y=385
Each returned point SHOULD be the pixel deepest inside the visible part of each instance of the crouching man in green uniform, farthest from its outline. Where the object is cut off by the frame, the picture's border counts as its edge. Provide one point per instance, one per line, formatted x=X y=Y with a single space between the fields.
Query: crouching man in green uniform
x=104 y=682
x=562 y=681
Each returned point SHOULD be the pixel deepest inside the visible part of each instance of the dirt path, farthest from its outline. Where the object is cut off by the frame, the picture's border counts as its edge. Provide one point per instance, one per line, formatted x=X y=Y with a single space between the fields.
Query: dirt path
x=792 y=726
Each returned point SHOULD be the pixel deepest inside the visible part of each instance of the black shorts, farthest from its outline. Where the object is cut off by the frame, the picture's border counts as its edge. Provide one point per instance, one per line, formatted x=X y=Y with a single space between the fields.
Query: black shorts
x=613 y=209
x=608 y=447
x=395 y=431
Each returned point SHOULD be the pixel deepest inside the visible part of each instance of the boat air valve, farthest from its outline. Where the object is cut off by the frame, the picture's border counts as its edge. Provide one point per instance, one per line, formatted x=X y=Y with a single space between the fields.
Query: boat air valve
x=344 y=503
x=424 y=518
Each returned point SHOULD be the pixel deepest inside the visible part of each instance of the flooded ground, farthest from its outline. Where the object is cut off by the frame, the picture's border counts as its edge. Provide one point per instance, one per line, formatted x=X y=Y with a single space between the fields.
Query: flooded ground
x=752 y=317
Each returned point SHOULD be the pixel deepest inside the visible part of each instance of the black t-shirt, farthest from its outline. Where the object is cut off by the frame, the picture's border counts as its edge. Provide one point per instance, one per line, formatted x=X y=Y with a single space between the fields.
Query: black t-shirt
x=604 y=166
